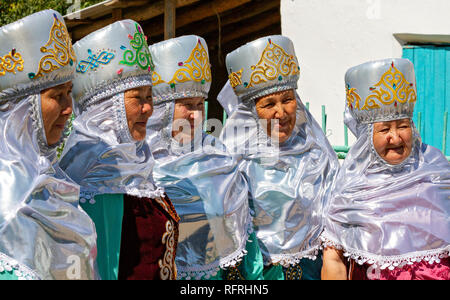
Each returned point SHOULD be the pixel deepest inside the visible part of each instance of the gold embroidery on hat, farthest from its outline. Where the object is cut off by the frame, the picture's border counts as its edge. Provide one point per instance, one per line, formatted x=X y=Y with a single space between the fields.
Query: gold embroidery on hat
x=392 y=87
x=10 y=62
x=195 y=68
x=353 y=99
x=235 y=78
x=59 y=49
x=274 y=63
x=156 y=78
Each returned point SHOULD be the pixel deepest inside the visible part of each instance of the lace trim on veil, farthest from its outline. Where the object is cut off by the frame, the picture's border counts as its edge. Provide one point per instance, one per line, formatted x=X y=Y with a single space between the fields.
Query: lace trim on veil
x=388 y=262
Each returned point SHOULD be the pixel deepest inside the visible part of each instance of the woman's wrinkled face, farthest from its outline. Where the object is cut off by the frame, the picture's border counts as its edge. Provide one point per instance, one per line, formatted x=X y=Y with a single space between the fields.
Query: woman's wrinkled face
x=138 y=107
x=278 y=108
x=56 y=106
x=187 y=117
x=393 y=140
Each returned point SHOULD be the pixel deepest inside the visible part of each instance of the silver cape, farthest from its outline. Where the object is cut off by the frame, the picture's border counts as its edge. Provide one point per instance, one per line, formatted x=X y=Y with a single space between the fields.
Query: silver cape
x=44 y=234
x=390 y=215
x=289 y=183
x=209 y=195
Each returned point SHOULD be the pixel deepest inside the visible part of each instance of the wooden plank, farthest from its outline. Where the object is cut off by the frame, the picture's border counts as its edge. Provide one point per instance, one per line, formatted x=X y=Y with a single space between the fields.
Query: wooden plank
x=126 y=4
x=116 y=15
x=138 y=14
x=207 y=10
x=198 y=13
x=169 y=19
x=247 y=28
x=233 y=17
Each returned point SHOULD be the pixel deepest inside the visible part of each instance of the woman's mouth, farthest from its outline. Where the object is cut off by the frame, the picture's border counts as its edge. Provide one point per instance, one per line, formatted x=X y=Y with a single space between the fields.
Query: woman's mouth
x=141 y=124
x=398 y=150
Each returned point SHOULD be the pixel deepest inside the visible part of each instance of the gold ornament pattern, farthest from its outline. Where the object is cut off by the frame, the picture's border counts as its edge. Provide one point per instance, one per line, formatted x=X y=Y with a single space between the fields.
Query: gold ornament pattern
x=392 y=88
x=167 y=264
x=11 y=62
x=59 y=49
x=353 y=99
x=195 y=68
x=235 y=78
x=294 y=273
x=156 y=78
x=274 y=63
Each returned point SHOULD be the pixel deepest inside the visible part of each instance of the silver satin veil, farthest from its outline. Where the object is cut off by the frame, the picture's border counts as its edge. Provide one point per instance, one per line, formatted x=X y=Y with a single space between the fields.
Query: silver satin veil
x=102 y=157
x=44 y=234
x=390 y=215
x=208 y=193
x=289 y=184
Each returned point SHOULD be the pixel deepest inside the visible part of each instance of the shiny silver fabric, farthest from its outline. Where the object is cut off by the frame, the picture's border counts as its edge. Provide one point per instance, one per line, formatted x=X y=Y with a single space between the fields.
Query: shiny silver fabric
x=100 y=154
x=182 y=69
x=263 y=67
x=390 y=215
x=381 y=90
x=44 y=234
x=102 y=157
x=35 y=53
x=208 y=193
x=108 y=59
x=289 y=183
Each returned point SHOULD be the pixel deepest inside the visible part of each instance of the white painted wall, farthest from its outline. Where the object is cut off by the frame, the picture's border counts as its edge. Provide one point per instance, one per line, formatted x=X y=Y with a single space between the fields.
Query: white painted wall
x=330 y=36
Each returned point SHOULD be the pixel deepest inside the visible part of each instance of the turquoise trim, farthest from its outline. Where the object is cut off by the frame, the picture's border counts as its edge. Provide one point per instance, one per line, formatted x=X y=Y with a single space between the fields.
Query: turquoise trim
x=432 y=68
x=8 y=276
x=107 y=214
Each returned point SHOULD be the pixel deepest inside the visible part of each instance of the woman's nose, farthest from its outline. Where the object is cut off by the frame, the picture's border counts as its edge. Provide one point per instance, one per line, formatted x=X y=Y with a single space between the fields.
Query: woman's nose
x=279 y=111
x=147 y=108
x=67 y=105
x=394 y=136
x=195 y=114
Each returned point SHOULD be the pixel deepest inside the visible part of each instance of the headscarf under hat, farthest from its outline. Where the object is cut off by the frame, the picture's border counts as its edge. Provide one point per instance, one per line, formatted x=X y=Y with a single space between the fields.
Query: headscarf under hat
x=382 y=214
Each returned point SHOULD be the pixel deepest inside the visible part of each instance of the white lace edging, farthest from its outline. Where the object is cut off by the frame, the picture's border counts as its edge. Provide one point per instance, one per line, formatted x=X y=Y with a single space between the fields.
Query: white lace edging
x=145 y=193
x=7 y=264
x=198 y=273
x=287 y=260
x=86 y=196
x=388 y=262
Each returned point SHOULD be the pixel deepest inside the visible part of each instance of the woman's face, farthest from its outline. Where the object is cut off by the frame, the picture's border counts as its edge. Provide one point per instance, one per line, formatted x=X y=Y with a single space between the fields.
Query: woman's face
x=56 y=106
x=138 y=107
x=189 y=112
x=393 y=140
x=282 y=107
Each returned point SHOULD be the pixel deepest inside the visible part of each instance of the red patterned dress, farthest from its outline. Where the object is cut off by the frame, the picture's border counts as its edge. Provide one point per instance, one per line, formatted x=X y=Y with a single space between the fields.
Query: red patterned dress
x=149 y=239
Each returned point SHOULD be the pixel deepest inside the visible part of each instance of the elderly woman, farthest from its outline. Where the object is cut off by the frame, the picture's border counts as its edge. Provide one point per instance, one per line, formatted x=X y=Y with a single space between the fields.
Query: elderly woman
x=198 y=175
x=107 y=155
x=43 y=232
x=286 y=159
x=389 y=213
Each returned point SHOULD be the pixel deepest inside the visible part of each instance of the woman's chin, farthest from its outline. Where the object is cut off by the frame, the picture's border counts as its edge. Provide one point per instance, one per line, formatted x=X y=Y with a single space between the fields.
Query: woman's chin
x=281 y=137
x=139 y=135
